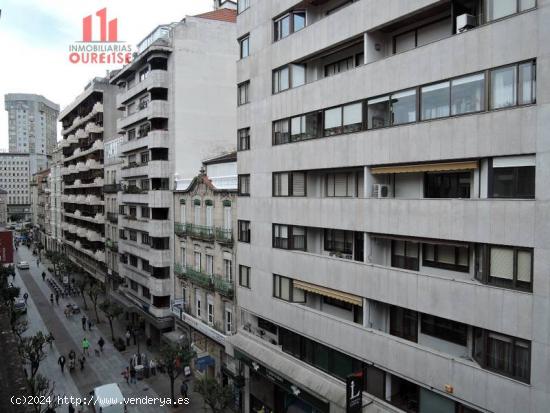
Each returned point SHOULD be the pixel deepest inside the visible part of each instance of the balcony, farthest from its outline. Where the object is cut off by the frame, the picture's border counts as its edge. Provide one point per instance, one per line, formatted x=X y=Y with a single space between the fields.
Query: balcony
x=214 y=282
x=156 y=138
x=112 y=217
x=154 y=109
x=155 y=78
x=111 y=188
x=112 y=245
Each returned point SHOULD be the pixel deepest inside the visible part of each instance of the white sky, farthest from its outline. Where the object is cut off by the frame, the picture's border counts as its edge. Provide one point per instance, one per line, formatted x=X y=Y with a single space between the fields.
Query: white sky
x=35 y=36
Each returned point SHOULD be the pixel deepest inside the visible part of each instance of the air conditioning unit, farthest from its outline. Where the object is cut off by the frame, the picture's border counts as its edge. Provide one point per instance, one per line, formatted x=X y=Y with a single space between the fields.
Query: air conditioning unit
x=347 y=256
x=380 y=191
x=465 y=22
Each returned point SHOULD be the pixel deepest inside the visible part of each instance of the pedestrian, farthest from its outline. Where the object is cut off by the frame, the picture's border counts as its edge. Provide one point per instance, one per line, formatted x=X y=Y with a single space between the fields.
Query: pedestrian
x=89 y=324
x=133 y=375
x=61 y=362
x=57 y=298
x=50 y=338
x=153 y=367
x=26 y=297
x=84 y=322
x=37 y=262
x=51 y=298
x=183 y=389
x=71 y=408
x=43 y=276
x=101 y=343
x=85 y=346
x=82 y=360
x=128 y=335
x=126 y=374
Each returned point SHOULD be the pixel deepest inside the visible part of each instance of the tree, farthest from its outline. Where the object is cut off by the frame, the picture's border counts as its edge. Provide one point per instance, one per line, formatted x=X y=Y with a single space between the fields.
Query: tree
x=215 y=395
x=112 y=311
x=82 y=286
x=174 y=357
x=94 y=292
x=41 y=389
x=56 y=258
x=31 y=349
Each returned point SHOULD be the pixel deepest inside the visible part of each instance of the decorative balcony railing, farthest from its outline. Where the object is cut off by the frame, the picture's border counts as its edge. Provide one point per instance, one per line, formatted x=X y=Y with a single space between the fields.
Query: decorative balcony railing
x=214 y=282
x=222 y=235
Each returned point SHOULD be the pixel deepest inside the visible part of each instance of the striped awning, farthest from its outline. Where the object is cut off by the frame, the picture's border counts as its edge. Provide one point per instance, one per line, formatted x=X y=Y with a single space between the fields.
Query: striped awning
x=327 y=292
x=426 y=167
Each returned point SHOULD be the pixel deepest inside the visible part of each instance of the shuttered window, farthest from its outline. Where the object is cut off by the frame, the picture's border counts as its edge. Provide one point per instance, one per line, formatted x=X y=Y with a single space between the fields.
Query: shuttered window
x=509 y=267
x=289 y=184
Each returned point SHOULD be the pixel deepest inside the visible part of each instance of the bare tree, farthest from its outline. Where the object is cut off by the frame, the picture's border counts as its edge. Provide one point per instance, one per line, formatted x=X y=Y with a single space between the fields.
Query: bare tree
x=112 y=311
x=174 y=357
x=95 y=291
x=215 y=395
x=82 y=286
x=31 y=349
x=41 y=389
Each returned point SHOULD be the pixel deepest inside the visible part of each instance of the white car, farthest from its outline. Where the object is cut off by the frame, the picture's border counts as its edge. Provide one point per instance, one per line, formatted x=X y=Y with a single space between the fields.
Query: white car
x=23 y=265
x=108 y=398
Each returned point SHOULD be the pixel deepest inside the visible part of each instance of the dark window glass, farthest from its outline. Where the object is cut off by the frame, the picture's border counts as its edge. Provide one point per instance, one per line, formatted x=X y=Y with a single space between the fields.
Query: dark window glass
x=404 y=323
x=448 y=257
x=447 y=185
x=375 y=381
x=404 y=254
x=243 y=143
x=244 y=231
x=281 y=132
x=444 y=329
x=514 y=182
x=338 y=241
x=244 y=276
x=244 y=45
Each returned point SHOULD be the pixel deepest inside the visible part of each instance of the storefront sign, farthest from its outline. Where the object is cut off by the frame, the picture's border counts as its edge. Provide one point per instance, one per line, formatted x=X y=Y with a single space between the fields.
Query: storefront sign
x=354 y=393
x=203 y=328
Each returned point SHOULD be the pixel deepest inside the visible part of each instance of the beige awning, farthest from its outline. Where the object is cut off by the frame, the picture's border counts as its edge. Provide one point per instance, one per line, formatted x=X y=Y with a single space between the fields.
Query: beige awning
x=425 y=167
x=327 y=292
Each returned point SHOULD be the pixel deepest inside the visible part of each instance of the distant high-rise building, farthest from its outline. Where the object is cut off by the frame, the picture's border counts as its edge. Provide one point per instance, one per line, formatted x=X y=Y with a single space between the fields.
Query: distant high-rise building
x=32 y=124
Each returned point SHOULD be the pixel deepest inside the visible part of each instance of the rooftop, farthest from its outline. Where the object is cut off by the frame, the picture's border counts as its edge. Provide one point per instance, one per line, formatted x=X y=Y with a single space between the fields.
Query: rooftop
x=227 y=157
x=225 y=15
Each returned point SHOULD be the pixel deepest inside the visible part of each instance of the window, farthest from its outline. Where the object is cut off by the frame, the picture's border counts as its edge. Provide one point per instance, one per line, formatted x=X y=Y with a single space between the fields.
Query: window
x=289 y=237
x=243 y=139
x=242 y=91
x=133 y=260
x=289 y=184
x=468 y=94
x=227 y=270
x=244 y=185
x=197 y=258
x=378 y=110
x=281 y=132
x=288 y=76
x=132 y=235
x=227 y=220
x=244 y=276
x=304 y=127
x=131 y=134
x=512 y=85
x=448 y=257
x=209 y=264
x=244 y=46
x=145 y=239
x=197 y=213
x=447 y=185
x=512 y=177
x=283 y=288
x=403 y=107
x=338 y=241
x=145 y=265
x=496 y=9
x=228 y=320
x=341 y=184
x=341 y=66
x=144 y=157
x=210 y=302
x=444 y=329
x=404 y=254
x=242 y=5
x=509 y=267
x=244 y=231
x=504 y=354
x=422 y=35
x=209 y=213
x=198 y=303
x=183 y=214
x=183 y=257
x=404 y=323
x=289 y=23
x=145 y=184
x=145 y=212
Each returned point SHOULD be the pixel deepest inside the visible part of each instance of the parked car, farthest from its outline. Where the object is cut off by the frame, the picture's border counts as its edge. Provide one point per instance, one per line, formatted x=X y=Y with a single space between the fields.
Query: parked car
x=20 y=306
x=108 y=399
x=23 y=265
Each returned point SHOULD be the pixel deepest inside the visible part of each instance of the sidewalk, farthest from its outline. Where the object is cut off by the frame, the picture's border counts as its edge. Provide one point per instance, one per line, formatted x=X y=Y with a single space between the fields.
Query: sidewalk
x=160 y=383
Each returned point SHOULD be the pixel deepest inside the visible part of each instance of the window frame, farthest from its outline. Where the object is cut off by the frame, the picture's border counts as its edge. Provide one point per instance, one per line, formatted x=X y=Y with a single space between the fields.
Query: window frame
x=491 y=182
x=242 y=40
x=243 y=139
x=434 y=326
x=243 y=184
x=290 y=238
x=291 y=26
x=484 y=275
x=246 y=86
x=246 y=3
x=445 y=266
x=332 y=232
x=243 y=232
x=407 y=258
x=278 y=279
x=244 y=281
x=276 y=188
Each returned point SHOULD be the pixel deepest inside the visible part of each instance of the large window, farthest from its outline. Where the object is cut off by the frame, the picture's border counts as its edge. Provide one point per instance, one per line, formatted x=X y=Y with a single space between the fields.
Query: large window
x=435 y=100
x=338 y=241
x=242 y=93
x=284 y=289
x=504 y=354
x=289 y=76
x=244 y=185
x=343 y=119
x=243 y=136
x=289 y=184
x=393 y=109
x=496 y=9
x=244 y=231
x=244 y=46
x=289 y=23
x=244 y=276
x=342 y=184
x=468 y=94
x=447 y=185
x=512 y=85
x=448 y=257
x=281 y=132
x=289 y=237
x=505 y=266
x=444 y=329
x=404 y=254
x=344 y=65
x=422 y=35
x=304 y=127
x=242 y=5
x=512 y=177
x=404 y=323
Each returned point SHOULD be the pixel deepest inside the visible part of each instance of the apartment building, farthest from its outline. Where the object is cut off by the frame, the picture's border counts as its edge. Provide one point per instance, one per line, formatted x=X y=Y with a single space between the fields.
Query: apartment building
x=40 y=204
x=204 y=263
x=54 y=230
x=177 y=97
x=15 y=180
x=3 y=207
x=396 y=223
x=86 y=122
x=32 y=124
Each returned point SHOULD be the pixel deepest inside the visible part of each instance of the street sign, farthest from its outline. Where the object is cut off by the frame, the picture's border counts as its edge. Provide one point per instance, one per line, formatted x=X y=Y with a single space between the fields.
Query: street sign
x=354 y=393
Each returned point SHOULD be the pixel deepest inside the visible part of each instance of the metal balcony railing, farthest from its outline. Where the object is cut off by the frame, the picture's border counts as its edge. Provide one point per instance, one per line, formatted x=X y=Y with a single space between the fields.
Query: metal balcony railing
x=215 y=282
x=224 y=236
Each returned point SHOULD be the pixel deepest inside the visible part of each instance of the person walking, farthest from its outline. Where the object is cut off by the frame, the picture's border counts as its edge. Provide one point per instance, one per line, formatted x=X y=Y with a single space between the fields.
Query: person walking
x=37 y=262
x=82 y=360
x=57 y=298
x=126 y=374
x=89 y=324
x=84 y=322
x=43 y=276
x=128 y=336
x=183 y=389
x=51 y=298
x=61 y=362
x=26 y=297
x=153 y=367
x=133 y=375
x=50 y=338
x=71 y=408
x=85 y=346
x=101 y=343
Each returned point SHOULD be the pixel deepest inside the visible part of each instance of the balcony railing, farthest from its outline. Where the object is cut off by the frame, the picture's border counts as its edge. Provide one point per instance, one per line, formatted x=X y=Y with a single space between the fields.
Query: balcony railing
x=111 y=188
x=112 y=245
x=222 y=235
x=215 y=282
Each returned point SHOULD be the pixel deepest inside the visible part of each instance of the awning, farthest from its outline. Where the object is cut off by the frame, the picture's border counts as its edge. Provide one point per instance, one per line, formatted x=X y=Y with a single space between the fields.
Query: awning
x=425 y=167
x=327 y=292
x=419 y=239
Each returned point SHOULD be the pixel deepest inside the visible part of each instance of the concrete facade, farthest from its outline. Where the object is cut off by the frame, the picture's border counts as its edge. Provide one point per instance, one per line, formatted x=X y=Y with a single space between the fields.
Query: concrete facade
x=15 y=180
x=360 y=261
x=3 y=207
x=177 y=105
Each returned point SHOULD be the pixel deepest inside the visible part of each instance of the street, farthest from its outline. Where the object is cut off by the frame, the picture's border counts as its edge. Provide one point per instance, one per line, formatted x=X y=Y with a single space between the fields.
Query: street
x=68 y=333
